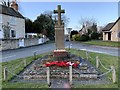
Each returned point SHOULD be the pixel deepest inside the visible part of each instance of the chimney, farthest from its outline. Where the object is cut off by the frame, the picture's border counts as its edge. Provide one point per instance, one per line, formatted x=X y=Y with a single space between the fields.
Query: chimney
x=14 y=5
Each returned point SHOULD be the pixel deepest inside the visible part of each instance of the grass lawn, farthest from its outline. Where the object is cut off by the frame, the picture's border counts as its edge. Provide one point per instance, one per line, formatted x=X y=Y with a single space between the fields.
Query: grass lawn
x=107 y=60
x=102 y=43
x=16 y=66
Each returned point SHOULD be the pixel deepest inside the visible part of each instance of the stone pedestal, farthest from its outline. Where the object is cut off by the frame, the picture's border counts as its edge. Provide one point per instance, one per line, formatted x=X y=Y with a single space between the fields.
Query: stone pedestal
x=59 y=37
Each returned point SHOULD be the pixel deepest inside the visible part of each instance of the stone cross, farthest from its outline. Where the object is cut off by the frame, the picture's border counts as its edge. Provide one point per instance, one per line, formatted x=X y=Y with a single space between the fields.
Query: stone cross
x=59 y=30
x=59 y=11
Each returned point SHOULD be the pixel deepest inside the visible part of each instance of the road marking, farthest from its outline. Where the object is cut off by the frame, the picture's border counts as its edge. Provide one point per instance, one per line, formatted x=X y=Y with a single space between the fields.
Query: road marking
x=41 y=49
x=93 y=51
x=9 y=56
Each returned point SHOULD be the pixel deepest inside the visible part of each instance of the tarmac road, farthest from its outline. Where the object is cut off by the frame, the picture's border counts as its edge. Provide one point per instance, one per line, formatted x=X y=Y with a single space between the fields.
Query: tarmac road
x=29 y=51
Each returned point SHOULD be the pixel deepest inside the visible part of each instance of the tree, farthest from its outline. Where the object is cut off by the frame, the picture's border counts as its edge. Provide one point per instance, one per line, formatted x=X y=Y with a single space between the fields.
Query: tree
x=6 y=29
x=74 y=32
x=94 y=27
x=64 y=19
x=94 y=34
x=84 y=38
x=44 y=24
x=87 y=21
x=28 y=26
x=76 y=37
x=90 y=26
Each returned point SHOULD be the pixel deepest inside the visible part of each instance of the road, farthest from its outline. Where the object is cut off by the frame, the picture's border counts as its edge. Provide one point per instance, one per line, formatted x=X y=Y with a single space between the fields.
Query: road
x=29 y=51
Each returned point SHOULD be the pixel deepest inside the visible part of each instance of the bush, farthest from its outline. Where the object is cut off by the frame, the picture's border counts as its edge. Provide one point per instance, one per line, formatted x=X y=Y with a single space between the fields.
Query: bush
x=84 y=38
x=95 y=36
x=76 y=37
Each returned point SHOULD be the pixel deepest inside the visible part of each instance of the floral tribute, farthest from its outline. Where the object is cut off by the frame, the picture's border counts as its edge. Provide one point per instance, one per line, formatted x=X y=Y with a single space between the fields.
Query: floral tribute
x=61 y=64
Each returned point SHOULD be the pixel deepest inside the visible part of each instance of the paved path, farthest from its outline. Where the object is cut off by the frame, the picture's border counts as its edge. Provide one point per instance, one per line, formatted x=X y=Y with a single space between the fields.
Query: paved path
x=29 y=51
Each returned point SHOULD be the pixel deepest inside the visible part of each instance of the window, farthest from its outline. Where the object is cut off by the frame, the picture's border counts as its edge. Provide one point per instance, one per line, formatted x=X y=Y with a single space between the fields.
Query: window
x=13 y=33
x=119 y=34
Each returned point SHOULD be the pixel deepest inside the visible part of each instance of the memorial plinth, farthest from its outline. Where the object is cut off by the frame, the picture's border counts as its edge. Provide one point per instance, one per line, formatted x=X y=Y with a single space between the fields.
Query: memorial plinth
x=59 y=37
x=60 y=53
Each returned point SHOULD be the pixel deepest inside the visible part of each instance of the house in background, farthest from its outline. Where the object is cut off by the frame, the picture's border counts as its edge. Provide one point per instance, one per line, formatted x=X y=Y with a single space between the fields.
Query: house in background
x=12 y=23
x=111 y=31
x=83 y=30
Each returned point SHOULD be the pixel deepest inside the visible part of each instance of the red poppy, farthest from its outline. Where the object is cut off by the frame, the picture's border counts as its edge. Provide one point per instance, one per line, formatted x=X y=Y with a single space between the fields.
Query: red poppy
x=60 y=64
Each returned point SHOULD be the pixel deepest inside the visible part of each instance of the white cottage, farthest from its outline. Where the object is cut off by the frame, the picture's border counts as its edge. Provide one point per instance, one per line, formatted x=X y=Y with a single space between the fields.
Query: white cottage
x=12 y=21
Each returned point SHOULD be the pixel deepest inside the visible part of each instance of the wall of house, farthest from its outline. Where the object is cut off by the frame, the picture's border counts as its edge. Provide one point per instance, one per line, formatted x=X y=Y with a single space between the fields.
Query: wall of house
x=6 y=44
x=20 y=28
x=1 y=32
x=105 y=36
x=115 y=30
x=16 y=24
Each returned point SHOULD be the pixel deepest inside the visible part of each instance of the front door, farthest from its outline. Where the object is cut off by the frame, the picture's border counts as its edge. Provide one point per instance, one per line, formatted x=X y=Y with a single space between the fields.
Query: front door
x=109 y=36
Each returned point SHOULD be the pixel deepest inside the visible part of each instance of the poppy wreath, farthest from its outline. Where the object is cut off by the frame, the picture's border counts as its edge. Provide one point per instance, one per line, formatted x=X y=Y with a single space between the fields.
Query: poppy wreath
x=61 y=64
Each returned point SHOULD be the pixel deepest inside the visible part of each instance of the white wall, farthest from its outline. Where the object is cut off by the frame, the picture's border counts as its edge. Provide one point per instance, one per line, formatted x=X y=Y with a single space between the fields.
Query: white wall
x=1 y=31
x=17 y=24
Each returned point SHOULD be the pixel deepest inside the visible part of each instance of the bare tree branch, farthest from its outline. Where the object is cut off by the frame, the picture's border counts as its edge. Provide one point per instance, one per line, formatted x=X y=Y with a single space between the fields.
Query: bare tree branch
x=87 y=21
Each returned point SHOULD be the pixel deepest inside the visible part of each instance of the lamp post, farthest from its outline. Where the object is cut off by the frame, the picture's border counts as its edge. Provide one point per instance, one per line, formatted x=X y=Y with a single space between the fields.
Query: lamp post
x=69 y=31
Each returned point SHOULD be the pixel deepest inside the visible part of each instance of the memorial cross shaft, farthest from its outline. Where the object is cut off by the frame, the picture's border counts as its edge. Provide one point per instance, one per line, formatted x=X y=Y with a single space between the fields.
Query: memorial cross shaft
x=59 y=11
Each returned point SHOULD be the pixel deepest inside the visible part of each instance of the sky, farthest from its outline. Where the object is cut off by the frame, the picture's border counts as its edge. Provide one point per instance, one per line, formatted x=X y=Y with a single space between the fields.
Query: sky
x=102 y=12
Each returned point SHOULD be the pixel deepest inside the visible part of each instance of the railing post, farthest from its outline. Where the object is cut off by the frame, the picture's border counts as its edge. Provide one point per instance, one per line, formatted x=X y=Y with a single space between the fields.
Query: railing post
x=5 y=73
x=113 y=74
x=34 y=55
x=70 y=74
x=25 y=63
x=48 y=75
x=97 y=62
x=87 y=55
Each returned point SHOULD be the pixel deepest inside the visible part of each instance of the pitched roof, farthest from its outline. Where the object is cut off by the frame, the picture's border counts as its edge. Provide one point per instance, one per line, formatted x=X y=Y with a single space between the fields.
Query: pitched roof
x=109 y=26
x=9 y=11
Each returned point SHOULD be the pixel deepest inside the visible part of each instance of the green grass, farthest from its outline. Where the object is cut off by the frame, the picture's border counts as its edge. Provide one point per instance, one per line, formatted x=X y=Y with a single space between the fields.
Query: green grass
x=103 y=43
x=25 y=85
x=11 y=65
x=107 y=60
x=96 y=86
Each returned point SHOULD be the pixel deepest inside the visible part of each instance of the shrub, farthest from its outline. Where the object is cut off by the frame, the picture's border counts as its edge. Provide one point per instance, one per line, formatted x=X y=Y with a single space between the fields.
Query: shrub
x=77 y=37
x=84 y=38
x=95 y=36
